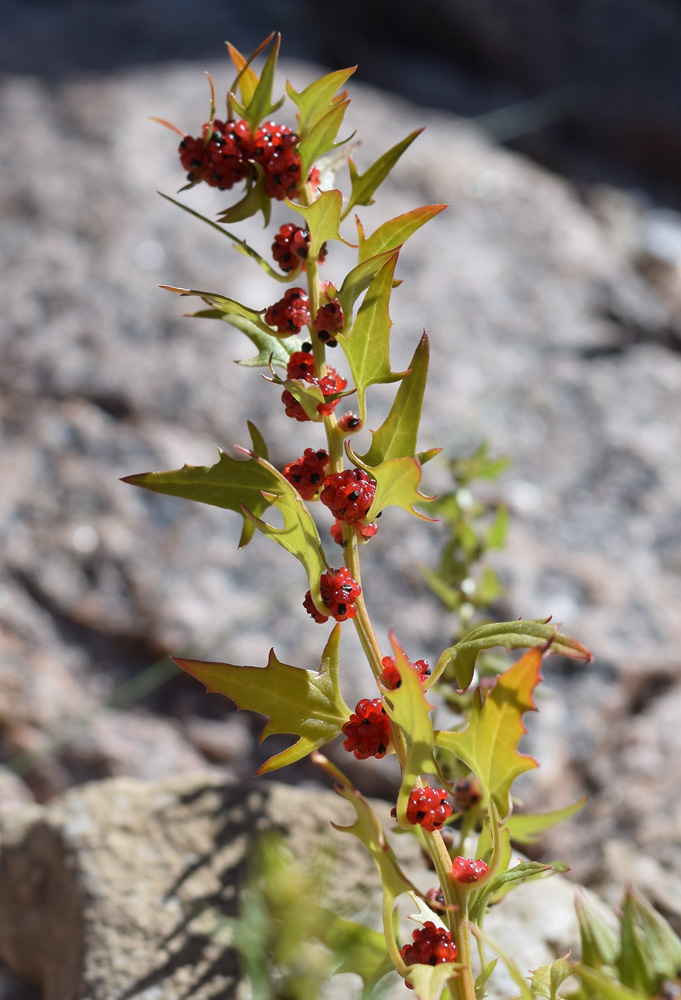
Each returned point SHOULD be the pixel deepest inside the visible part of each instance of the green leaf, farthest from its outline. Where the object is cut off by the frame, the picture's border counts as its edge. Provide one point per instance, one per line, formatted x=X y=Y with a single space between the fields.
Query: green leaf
x=261 y=106
x=299 y=535
x=307 y=704
x=599 y=942
x=526 y=828
x=367 y=344
x=322 y=218
x=255 y=200
x=489 y=744
x=661 y=945
x=271 y=348
x=308 y=394
x=364 y=185
x=395 y=232
x=396 y=437
x=247 y=77
x=408 y=708
x=498 y=887
x=429 y=981
x=358 y=948
x=318 y=99
x=368 y=829
x=397 y=482
x=510 y=963
x=512 y=635
x=320 y=139
x=358 y=279
x=240 y=245
x=227 y=484
x=547 y=980
x=602 y=985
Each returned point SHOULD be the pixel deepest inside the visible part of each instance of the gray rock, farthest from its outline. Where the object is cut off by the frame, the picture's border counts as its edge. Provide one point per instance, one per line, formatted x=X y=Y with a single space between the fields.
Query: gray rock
x=118 y=889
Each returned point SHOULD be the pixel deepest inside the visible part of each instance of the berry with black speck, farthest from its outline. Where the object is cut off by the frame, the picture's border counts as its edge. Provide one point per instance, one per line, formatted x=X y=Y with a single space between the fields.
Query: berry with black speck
x=307 y=473
x=291 y=313
x=330 y=384
x=363 y=532
x=290 y=247
x=349 y=423
x=391 y=675
x=339 y=592
x=349 y=494
x=429 y=808
x=301 y=366
x=292 y=407
x=220 y=157
x=312 y=610
x=467 y=794
x=431 y=945
x=328 y=321
x=468 y=870
x=367 y=731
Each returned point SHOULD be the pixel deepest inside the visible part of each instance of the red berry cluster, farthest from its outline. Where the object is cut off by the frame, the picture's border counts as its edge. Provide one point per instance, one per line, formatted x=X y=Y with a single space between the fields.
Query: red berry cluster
x=329 y=320
x=466 y=793
x=273 y=147
x=349 y=494
x=363 y=531
x=339 y=593
x=429 y=807
x=301 y=366
x=391 y=675
x=220 y=156
x=307 y=473
x=291 y=313
x=467 y=870
x=367 y=731
x=226 y=153
x=431 y=946
x=291 y=246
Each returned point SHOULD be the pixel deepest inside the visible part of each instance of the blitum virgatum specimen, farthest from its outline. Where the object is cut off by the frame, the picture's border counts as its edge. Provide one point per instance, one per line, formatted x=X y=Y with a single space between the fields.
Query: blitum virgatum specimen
x=455 y=791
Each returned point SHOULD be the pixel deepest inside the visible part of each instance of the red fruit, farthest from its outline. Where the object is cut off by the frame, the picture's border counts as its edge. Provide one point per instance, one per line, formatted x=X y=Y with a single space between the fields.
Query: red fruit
x=291 y=313
x=467 y=870
x=314 y=178
x=363 y=531
x=307 y=473
x=431 y=946
x=292 y=407
x=269 y=139
x=391 y=676
x=429 y=807
x=338 y=592
x=466 y=793
x=220 y=157
x=290 y=247
x=337 y=532
x=349 y=494
x=367 y=731
x=301 y=365
x=331 y=383
x=329 y=320
x=349 y=422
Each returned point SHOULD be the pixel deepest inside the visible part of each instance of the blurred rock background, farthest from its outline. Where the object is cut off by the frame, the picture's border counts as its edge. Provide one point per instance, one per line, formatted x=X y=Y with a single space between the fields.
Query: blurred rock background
x=551 y=289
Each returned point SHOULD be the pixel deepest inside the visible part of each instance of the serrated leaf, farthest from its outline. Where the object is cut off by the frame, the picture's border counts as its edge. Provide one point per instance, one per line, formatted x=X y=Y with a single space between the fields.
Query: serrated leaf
x=318 y=98
x=230 y=307
x=358 y=279
x=408 y=708
x=526 y=828
x=547 y=980
x=512 y=635
x=368 y=829
x=323 y=219
x=367 y=344
x=321 y=138
x=395 y=232
x=396 y=437
x=305 y=703
x=489 y=744
x=227 y=484
x=397 y=484
x=299 y=535
x=364 y=185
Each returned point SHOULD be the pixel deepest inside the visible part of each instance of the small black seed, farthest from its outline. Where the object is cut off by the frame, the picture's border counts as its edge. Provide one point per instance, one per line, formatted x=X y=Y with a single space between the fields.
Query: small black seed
x=342 y=608
x=353 y=496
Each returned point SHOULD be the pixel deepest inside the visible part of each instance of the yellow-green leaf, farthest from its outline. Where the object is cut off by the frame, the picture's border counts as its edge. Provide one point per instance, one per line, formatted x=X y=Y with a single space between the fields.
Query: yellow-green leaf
x=527 y=828
x=364 y=185
x=320 y=139
x=322 y=218
x=395 y=232
x=367 y=344
x=397 y=484
x=228 y=484
x=359 y=278
x=489 y=744
x=301 y=702
x=260 y=106
x=546 y=982
x=318 y=99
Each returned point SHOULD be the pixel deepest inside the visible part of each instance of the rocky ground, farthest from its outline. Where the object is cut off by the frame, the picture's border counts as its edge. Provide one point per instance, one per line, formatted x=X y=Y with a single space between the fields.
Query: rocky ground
x=555 y=319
